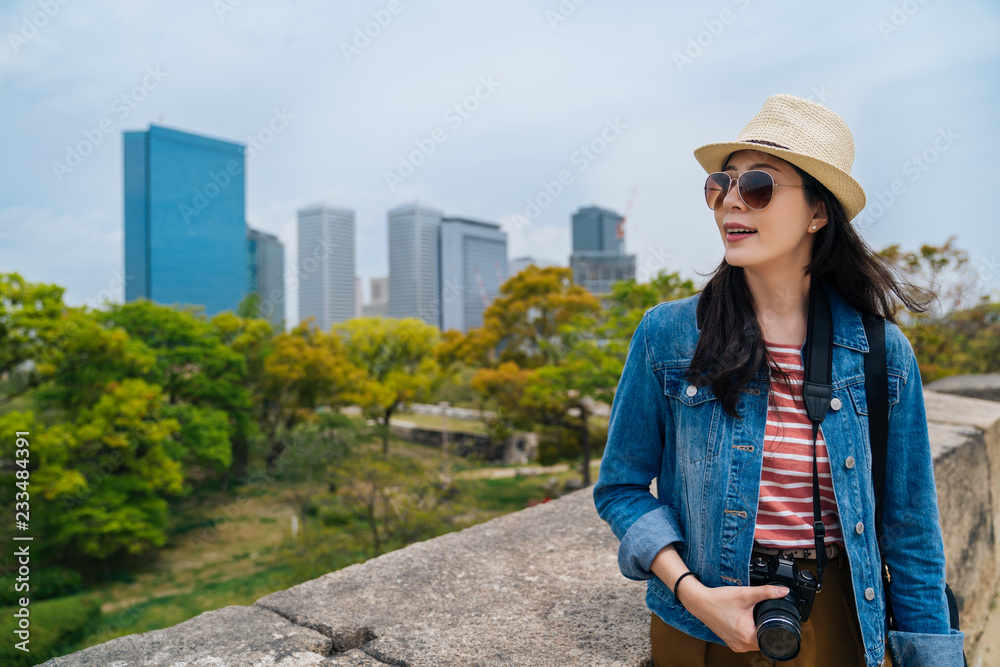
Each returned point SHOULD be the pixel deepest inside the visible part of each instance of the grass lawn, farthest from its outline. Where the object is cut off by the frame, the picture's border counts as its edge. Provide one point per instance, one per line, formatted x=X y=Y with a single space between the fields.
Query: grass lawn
x=167 y=610
x=439 y=422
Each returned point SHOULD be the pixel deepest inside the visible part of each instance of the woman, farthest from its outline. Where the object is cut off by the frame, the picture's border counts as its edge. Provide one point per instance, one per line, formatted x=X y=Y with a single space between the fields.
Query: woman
x=709 y=407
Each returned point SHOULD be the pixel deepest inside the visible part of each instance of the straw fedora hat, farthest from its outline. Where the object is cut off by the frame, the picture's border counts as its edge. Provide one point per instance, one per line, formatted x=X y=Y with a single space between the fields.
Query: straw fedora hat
x=801 y=132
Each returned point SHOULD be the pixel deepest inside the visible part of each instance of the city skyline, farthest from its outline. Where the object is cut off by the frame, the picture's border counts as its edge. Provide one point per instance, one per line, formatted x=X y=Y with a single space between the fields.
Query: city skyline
x=534 y=119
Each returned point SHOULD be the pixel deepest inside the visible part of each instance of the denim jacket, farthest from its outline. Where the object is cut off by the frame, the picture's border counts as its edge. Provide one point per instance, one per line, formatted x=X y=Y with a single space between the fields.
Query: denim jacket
x=707 y=468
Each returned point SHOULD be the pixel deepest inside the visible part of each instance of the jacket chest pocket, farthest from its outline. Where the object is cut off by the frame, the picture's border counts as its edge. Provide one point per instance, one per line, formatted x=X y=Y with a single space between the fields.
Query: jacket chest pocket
x=696 y=416
x=859 y=399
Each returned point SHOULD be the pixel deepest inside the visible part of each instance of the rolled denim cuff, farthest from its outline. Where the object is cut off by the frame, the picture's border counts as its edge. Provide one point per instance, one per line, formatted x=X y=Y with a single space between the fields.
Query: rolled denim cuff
x=643 y=540
x=917 y=649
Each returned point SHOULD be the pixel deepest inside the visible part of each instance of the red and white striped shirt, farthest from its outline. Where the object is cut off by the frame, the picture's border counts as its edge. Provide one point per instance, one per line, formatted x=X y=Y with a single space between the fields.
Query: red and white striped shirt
x=785 y=510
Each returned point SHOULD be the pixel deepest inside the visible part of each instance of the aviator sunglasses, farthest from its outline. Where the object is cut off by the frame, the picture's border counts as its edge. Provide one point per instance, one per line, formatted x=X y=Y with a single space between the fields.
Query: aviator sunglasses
x=755 y=188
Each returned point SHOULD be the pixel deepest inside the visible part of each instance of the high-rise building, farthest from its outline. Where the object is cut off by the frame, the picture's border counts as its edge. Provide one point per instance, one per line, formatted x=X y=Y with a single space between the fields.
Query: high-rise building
x=326 y=265
x=414 y=268
x=473 y=266
x=266 y=275
x=599 y=258
x=379 y=304
x=185 y=219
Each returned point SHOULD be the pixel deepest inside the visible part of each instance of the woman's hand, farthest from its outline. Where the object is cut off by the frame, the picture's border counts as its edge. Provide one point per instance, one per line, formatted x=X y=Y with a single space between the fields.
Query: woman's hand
x=728 y=610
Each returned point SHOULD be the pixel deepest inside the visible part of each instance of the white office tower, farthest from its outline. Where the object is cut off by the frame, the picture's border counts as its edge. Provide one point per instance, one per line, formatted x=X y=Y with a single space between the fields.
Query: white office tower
x=473 y=266
x=413 y=263
x=326 y=265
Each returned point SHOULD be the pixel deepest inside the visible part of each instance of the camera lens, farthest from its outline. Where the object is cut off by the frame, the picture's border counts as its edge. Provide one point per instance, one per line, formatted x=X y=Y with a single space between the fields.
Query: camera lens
x=779 y=633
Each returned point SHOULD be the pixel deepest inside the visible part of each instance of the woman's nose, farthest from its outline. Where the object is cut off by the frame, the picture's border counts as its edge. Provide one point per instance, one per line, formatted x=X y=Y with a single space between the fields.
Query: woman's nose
x=732 y=197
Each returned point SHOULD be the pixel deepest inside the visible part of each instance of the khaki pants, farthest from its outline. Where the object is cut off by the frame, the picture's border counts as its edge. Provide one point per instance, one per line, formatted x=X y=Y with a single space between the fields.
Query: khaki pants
x=831 y=637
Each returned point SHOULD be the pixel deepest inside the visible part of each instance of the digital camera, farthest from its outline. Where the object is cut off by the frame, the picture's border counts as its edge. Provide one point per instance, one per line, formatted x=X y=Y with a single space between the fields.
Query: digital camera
x=779 y=622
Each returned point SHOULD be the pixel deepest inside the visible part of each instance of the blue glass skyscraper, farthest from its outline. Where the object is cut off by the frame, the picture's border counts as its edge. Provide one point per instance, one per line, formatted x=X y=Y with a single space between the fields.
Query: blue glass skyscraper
x=185 y=219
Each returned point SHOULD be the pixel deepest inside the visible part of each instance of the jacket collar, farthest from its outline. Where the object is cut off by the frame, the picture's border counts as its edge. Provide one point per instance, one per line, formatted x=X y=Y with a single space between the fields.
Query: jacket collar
x=848 y=327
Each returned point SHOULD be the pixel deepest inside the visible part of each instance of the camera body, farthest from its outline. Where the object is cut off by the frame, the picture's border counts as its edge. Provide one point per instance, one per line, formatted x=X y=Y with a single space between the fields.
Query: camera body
x=779 y=622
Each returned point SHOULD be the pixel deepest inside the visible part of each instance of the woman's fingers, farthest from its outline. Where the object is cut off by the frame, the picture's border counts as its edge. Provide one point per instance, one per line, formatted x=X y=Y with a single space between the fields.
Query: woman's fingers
x=728 y=611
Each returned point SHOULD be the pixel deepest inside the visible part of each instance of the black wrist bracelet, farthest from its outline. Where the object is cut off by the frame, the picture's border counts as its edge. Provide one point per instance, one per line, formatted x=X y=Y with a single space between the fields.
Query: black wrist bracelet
x=676 y=583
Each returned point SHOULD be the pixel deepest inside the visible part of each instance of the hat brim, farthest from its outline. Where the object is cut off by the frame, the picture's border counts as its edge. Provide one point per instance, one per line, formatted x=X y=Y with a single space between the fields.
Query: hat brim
x=848 y=191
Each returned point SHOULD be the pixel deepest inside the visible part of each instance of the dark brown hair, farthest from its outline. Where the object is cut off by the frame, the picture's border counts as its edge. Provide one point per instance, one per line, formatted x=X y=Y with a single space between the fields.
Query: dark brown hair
x=730 y=347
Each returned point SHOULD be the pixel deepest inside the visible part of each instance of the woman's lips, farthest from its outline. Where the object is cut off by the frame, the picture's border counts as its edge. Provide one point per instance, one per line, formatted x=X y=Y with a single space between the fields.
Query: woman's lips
x=739 y=236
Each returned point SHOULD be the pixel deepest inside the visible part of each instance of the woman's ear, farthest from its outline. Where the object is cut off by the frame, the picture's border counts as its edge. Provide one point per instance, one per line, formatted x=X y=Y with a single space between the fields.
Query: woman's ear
x=819 y=217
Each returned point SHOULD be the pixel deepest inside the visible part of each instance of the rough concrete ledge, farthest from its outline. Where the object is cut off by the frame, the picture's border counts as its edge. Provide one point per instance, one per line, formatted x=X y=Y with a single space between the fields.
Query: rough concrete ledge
x=228 y=637
x=538 y=587
x=542 y=587
x=985 y=386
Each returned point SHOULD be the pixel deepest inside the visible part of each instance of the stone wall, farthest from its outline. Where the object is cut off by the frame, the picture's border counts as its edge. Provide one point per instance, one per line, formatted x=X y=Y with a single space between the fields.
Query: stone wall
x=541 y=586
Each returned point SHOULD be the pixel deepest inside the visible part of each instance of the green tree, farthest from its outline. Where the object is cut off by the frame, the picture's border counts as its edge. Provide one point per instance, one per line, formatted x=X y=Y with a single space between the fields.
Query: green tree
x=399 y=364
x=195 y=367
x=83 y=357
x=100 y=484
x=522 y=324
x=629 y=300
x=389 y=501
x=544 y=360
x=305 y=369
x=29 y=312
x=252 y=339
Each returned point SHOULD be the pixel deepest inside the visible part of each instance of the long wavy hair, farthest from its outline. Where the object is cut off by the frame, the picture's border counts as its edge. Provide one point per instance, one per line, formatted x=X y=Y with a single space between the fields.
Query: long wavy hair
x=731 y=348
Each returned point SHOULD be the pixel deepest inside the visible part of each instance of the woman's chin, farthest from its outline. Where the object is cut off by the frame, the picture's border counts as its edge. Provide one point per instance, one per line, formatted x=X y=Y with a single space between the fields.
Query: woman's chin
x=737 y=258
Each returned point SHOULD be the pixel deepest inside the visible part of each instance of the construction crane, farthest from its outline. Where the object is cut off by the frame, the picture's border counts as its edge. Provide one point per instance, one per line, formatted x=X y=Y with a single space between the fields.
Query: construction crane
x=620 y=227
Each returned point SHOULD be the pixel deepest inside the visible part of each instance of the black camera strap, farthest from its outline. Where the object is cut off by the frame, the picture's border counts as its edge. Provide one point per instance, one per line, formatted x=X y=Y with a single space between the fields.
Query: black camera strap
x=817 y=392
x=877 y=399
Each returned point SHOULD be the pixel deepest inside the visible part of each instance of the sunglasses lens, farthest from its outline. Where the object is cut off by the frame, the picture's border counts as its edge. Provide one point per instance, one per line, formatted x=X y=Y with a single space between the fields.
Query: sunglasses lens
x=756 y=188
x=716 y=187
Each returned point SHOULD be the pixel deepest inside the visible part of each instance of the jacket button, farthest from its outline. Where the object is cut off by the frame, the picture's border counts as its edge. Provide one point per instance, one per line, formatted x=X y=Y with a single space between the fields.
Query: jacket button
x=869 y=594
x=849 y=463
x=859 y=528
x=835 y=404
x=691 y=390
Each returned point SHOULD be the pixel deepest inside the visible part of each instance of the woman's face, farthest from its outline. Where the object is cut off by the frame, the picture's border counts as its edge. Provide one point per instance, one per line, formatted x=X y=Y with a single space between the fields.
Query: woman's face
x=783 y=233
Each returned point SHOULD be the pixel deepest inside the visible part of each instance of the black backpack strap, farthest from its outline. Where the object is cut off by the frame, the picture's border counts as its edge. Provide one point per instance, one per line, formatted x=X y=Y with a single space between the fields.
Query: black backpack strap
x=877 y=398
x=877 y=395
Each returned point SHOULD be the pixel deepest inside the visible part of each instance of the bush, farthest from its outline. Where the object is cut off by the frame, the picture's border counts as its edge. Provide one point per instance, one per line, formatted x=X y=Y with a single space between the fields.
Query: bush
x=46 y=583
x=55 y=626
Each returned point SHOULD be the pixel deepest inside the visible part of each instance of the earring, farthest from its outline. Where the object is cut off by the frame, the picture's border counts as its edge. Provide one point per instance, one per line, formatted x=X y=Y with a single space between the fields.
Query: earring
x=814 y=226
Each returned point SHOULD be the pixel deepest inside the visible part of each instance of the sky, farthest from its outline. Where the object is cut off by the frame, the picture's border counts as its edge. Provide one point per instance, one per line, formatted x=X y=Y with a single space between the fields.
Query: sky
x=475 y=108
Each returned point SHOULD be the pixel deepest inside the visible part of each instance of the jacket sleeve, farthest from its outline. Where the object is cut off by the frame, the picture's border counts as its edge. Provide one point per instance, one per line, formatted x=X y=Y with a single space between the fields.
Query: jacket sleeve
x=913 y=546
x=640 y=434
